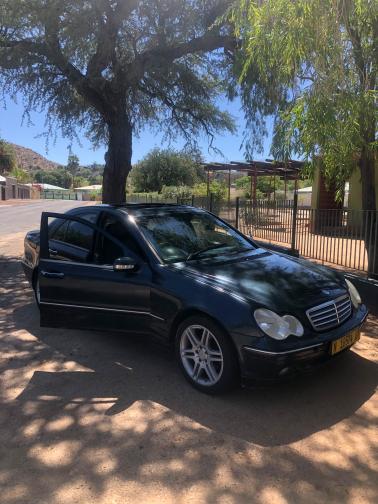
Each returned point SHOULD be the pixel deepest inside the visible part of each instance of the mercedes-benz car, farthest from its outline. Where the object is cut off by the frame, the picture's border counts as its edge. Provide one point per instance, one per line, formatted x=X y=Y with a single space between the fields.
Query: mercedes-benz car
x=232 y=310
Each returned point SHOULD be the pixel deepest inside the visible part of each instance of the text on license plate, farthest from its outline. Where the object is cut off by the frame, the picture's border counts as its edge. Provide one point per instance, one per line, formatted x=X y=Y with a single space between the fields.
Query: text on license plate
x=346 y=341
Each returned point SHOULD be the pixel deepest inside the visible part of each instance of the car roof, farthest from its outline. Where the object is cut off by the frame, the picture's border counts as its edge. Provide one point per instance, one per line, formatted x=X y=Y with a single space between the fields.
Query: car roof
x=138 y=209
x=133 y=207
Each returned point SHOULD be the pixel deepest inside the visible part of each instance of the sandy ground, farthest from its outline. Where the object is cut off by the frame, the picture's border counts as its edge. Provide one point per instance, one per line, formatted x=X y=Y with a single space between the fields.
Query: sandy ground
x=99 y=418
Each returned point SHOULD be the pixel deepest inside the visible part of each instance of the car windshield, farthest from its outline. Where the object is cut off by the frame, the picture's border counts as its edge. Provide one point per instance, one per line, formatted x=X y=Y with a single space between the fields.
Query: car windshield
x=185 y=235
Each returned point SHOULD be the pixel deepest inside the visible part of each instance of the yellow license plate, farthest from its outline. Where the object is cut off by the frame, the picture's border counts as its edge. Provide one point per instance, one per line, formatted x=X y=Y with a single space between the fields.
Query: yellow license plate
x=345 y=342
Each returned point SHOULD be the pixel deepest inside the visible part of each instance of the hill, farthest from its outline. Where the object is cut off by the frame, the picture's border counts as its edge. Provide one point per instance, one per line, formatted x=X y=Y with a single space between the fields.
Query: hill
x=30 y=160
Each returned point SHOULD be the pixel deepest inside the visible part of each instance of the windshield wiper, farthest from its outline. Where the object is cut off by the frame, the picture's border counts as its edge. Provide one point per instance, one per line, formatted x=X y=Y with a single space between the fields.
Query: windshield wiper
x=198 y=253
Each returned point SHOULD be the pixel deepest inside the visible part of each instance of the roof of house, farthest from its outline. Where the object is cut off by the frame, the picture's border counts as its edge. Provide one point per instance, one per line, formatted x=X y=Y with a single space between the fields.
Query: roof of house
x=94 y=187
x=308 y=189
x=47 y=187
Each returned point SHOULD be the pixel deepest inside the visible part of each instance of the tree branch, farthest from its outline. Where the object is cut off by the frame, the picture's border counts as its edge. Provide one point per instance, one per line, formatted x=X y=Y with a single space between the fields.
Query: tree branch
x=154 y=58
x=108 y=32
x=79 y=81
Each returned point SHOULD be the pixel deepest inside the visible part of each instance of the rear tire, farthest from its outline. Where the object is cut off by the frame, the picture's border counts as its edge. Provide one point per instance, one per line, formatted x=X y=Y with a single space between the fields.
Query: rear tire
x=206 y=355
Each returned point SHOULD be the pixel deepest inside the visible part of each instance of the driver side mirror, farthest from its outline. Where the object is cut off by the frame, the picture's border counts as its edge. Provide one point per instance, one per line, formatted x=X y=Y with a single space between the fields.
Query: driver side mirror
x=125 y=264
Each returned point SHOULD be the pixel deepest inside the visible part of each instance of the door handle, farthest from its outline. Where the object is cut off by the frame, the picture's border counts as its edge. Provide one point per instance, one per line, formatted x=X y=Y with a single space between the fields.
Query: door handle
x=53 y=252
x=50 y=274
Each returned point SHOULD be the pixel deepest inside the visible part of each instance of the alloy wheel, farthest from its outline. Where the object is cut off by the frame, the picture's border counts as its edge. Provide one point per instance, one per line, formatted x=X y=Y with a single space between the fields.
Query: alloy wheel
x=201 y=355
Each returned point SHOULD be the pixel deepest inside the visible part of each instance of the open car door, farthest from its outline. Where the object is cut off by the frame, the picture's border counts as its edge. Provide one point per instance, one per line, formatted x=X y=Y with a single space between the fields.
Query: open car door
x=78 y=283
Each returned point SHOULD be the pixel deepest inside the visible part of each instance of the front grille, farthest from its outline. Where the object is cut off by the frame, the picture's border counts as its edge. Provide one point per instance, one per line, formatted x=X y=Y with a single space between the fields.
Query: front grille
x=330 y=314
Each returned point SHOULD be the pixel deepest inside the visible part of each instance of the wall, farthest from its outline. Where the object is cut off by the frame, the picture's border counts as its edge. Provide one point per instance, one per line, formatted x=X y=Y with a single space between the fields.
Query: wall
x=355 y=190
x=11 y=189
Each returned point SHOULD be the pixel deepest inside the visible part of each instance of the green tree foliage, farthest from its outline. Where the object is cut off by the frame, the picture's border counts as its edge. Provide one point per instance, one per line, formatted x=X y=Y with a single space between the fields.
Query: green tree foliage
x=217 y=188
x=313 y=65
x=62 y=177
x=72 y=167
x=7 y=158
x=59 y=177
x=81 y=182
x=112 y=66
x=166 y=168
x=73 y=164
x=266 y=185
x=21 y=175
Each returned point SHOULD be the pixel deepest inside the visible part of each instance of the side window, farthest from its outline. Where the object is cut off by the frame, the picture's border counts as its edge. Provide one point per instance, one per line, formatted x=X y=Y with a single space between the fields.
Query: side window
x=106 y=251
x=59 y=231
x=71 y=240
x=90 y=217
x=79 y=235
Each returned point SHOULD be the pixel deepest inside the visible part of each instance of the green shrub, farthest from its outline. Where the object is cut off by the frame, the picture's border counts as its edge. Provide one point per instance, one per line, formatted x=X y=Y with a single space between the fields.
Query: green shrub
x=173 y=192
x=218 y=189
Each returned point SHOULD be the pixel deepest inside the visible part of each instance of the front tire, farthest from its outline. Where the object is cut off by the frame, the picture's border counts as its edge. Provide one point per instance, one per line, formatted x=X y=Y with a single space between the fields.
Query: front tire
x=206 y=355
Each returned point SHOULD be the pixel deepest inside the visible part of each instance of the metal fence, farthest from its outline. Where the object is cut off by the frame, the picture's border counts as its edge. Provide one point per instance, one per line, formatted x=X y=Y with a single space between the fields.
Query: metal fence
x=60 y=195
x=344 y=238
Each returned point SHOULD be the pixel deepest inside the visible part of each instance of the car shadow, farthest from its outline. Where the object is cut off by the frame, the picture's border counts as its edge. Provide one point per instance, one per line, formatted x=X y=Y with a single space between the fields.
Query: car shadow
x=132 y=368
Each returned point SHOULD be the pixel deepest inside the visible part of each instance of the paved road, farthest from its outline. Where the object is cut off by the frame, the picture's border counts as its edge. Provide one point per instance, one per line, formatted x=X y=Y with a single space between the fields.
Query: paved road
x=26 y=216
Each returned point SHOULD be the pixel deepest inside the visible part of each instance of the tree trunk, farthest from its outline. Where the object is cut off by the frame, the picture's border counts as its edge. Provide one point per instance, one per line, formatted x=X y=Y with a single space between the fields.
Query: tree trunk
x=370 y=218
x=117 y=161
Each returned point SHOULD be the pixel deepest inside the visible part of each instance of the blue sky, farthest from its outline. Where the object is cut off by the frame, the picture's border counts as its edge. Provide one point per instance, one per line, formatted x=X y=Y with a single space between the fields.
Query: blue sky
x=14 y=130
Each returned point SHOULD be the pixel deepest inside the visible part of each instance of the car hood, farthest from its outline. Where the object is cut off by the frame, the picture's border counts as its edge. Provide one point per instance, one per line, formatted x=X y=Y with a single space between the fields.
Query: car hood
x=274 y=280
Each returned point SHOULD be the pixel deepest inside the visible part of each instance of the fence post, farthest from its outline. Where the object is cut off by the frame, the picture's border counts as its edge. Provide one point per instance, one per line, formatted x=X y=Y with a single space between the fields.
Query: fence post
x=237 y=205
x=294 y=222
x=211 y=202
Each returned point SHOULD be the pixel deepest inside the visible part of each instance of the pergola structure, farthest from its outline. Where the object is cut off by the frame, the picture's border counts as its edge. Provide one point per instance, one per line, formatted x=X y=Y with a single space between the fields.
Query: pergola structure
x=286 y=170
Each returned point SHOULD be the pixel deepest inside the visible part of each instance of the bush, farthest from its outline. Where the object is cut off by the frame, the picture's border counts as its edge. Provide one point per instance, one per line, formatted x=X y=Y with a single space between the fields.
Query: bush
x=218 y=189
x=173 y=192
x=95 y=196
x=21 y=175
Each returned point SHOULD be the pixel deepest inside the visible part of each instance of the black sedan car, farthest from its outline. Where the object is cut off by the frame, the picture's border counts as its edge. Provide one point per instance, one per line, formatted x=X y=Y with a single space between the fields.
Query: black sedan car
x=231 y=308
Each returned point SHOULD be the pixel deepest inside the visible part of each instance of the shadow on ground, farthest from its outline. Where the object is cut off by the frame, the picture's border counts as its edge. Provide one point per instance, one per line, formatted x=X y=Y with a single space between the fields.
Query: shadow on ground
x=108 y=407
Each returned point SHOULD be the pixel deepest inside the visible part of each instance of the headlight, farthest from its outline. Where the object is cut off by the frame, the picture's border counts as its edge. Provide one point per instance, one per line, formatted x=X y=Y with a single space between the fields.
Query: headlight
x=354 y=295
x=277 y=327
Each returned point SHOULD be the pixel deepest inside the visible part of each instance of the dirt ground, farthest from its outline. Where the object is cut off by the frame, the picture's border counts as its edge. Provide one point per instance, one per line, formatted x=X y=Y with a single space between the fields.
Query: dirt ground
x=99 y=418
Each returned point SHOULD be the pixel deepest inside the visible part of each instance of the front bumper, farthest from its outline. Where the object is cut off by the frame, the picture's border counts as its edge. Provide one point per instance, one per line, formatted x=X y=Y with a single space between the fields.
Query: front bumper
x=268 y=365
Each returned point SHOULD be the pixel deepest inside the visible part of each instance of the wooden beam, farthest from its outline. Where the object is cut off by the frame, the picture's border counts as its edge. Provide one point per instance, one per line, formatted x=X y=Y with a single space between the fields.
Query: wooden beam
x=229 y=185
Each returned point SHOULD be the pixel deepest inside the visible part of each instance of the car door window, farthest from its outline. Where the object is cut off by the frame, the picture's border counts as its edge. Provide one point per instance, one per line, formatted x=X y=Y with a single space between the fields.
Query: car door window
x=79 y=235
x=58 y=232
x=106 y=250
x=72 y=240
